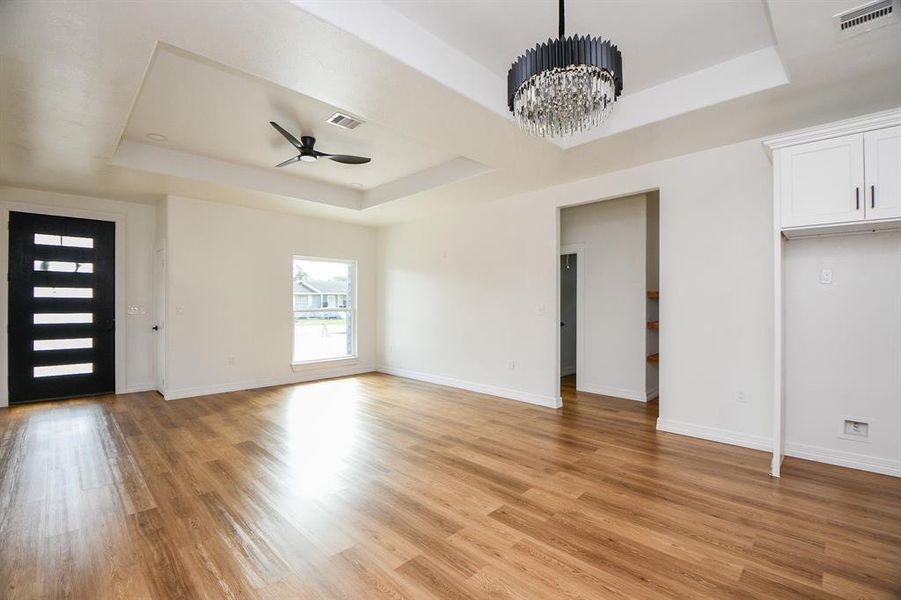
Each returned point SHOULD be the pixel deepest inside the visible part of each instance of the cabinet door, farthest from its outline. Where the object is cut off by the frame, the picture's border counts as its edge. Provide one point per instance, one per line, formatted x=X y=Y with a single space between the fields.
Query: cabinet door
x=822 y=182
x=883 y=173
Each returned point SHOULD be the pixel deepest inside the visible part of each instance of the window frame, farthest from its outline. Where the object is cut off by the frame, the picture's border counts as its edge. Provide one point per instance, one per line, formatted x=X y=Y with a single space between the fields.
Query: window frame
x=350 y=309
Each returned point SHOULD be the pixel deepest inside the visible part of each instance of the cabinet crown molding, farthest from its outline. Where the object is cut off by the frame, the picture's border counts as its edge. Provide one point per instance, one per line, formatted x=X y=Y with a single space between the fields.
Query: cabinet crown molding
x=880 y=120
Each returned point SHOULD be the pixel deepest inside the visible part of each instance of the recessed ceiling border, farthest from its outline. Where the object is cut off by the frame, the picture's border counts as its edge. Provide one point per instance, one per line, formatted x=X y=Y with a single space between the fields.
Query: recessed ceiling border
x=164 y=160
x=393 y=33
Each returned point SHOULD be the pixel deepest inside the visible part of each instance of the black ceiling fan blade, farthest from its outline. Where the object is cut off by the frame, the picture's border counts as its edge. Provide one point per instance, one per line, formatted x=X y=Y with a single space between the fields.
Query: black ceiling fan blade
x=289 y=161
x=347 y=159
x=294 y=141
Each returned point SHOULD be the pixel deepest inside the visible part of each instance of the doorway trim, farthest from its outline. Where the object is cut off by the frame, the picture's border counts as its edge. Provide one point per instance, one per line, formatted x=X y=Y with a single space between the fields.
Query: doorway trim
x=579 y=251
x=120 y=310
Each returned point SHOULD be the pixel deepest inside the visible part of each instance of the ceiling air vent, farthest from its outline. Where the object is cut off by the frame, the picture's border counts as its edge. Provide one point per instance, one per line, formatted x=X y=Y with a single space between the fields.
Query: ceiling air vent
x=867 y=17
x=344 y=121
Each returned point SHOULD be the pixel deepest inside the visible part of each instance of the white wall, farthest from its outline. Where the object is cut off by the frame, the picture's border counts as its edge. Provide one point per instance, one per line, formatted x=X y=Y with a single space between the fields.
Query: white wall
x=136 y=268
x=472 y=289
x=843 y=349
x=465 y=293
x=230 y=295
x=612 y=236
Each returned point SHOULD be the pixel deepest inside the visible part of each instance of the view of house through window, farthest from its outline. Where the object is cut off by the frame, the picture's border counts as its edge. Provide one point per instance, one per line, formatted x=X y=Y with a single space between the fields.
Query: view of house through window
x=323 y=309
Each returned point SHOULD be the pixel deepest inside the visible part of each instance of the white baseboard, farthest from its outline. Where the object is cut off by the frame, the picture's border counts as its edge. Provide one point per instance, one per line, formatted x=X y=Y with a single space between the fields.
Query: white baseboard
x=651 y=394
x=606 y=390
x=548 y=401
x=725 y=436
x=235 y=386
x=137 y=387
x=844 y=459
x=565 y=371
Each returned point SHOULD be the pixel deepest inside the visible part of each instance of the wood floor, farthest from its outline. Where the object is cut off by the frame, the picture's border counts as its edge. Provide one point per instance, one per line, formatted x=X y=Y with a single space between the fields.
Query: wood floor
x=375 y=486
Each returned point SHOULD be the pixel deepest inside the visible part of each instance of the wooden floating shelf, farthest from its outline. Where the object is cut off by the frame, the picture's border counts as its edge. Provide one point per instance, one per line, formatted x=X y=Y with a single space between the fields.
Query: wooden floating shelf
x=654 y=325
x=653 y=294
x=654 y=359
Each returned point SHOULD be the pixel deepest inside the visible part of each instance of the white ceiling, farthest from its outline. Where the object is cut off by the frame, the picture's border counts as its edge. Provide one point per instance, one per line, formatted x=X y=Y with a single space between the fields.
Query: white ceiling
x=71 y=72
x=678 y=56
x=216 y=123
x=212 y=110
x=660 y=39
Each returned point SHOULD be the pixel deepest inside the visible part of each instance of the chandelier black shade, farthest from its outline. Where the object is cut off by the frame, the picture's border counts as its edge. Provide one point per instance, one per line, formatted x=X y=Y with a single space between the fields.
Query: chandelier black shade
x=565 y=85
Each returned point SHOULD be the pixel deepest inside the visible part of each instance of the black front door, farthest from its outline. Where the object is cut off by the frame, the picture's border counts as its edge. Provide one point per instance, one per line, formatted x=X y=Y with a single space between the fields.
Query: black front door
x=62 y=334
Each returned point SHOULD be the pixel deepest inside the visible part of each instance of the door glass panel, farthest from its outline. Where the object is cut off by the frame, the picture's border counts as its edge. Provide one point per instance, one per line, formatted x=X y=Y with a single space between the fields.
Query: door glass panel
x=60 y=266
x=71 y=241
x=54 y=370
x=63 y=292
x=62 y=318
x=73 y=344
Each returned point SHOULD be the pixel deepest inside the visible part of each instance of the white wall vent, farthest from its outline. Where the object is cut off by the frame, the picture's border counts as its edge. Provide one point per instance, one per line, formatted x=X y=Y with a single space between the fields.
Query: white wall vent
x=344 y=121
x=868 y=17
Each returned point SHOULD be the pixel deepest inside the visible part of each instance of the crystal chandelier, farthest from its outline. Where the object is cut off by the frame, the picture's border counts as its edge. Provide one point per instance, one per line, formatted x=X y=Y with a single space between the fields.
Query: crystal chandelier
x=566 y=85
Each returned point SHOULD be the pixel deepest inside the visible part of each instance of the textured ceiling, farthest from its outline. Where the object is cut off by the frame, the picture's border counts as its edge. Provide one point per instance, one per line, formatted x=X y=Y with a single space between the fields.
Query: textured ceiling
x=70 y=73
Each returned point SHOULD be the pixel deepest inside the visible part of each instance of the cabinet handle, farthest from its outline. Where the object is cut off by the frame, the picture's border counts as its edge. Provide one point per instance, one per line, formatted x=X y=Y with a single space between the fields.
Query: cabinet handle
x=872 y=196
x=857 y=196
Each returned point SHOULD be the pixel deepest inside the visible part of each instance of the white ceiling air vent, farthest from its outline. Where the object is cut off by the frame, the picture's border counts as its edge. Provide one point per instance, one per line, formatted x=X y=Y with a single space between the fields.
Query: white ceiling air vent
x=868 y=17
x=344 y=121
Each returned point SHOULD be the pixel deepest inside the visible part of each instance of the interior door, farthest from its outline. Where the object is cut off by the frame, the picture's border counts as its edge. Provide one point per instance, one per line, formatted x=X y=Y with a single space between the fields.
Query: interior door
x=822 y=182
x=62 y=338
x=883 y=173
x=160 y=326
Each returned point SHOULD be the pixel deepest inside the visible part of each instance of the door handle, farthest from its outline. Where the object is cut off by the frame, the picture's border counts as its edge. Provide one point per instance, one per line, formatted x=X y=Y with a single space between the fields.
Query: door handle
x=872 y=196
x=857 y=197
x=156 y=327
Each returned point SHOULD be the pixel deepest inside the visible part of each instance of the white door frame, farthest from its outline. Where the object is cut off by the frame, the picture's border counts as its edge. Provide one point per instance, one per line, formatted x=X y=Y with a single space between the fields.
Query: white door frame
x=160 y=273
x=579 y=251
x=43 y=209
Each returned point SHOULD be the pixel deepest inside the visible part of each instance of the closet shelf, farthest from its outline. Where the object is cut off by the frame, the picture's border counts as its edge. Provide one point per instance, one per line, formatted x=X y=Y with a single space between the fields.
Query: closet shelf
x=653 y=294
x=654 y=325
x=654 y=359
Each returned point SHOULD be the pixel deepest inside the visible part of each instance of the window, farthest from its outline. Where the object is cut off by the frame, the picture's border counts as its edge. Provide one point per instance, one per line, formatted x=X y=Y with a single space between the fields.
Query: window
x=324 y=326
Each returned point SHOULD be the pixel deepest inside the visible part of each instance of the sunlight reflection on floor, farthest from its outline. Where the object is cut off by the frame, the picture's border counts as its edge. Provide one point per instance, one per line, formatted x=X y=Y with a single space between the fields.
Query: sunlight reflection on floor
x=322 y=427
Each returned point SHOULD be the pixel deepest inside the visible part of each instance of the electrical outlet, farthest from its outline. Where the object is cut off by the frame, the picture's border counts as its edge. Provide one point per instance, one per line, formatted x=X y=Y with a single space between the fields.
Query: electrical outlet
x=742 y=398
x=826 y=276
x=231 y=360
x=857 y=428
x=511 y=364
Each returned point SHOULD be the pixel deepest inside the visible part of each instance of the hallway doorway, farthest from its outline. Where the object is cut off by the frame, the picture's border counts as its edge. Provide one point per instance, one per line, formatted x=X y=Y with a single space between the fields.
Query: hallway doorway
x=569 y=265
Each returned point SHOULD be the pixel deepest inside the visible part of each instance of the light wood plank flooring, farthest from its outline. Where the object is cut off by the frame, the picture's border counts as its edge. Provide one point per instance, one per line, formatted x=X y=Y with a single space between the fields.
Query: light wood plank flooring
x=375 y=486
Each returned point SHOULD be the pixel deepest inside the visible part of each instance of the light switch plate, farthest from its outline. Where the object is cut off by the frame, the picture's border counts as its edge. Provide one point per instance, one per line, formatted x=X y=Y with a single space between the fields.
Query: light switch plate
x=826 y=276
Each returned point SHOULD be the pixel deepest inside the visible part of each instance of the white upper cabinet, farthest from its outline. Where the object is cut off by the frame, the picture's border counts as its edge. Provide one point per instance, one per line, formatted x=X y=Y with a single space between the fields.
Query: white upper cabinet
x=840 y=177
x=822 y=182
x=882 y=165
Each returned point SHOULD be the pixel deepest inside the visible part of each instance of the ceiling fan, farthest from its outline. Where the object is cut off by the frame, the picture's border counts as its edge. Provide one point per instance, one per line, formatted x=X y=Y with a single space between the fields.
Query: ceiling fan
x=308 y=154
